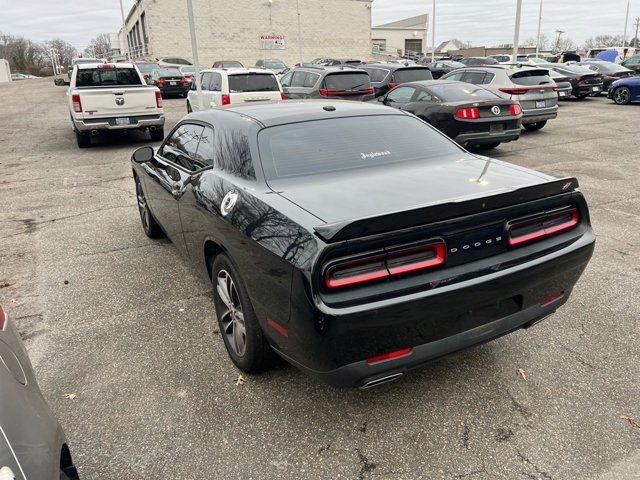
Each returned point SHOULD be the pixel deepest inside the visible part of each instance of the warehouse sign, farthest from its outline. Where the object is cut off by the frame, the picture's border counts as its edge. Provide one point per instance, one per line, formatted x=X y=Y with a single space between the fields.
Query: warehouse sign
x=272 y=42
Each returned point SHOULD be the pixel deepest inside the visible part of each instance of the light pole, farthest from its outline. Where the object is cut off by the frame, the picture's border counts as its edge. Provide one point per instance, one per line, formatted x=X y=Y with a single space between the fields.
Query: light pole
x=124 y=32
x=194 y=51
x=637 y=24
x=299 y=32
x=626 y=21
x=516 y=34
x=539 y=26
x=433 y=32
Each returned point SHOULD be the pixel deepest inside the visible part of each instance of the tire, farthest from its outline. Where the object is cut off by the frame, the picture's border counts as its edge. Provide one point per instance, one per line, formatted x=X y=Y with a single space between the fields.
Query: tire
x=622 y=96
x=532 y=127
x=488 y=146
x=157 y=135
x=243 y=338
x=83 y=139
x=150 y=226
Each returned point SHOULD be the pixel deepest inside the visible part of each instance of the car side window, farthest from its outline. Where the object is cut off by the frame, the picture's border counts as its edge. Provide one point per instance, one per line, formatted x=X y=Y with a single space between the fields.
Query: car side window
x=311 y=79
x=488 y=78
x=204 y=155
x=205 y=80
x=401 y=95
x=424 y=96
x=457 y=76
x=477 y=78
x=182 y=145
x=215 y=85
x=286 y=80
x=298 y=79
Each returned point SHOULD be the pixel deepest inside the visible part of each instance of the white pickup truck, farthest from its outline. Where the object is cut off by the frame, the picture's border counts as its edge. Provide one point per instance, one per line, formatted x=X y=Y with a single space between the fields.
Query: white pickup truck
x=113 y=96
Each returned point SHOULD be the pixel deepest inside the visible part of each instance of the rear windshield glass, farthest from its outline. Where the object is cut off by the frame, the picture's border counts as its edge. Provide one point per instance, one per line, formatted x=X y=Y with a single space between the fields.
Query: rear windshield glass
x=608 y=67
x=302 y=149
x=231 y=65
x=189 y=69
x=168 y=72
x=377 y=74
x=477 y=62
x=274 y=64
x=411 y=75
x=576 y=68
x=98 y=77
x=347 y=81
x=454 y=92
x=253 y=82
x=531 y=77
x=147 y=67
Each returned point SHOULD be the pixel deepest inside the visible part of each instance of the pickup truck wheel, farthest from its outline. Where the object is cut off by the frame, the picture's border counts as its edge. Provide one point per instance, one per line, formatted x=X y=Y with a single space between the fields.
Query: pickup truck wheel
x=243 y=338
x=149 y=225
x=157 y=135
x=83 y=139
x=535 y=126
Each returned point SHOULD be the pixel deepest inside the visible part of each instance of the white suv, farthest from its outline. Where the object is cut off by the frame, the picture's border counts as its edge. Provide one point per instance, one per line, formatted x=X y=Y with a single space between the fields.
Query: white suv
x=234 y=86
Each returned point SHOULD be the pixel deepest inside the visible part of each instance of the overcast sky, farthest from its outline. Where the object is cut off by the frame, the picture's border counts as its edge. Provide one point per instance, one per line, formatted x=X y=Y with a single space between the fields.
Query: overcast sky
x=482 y=22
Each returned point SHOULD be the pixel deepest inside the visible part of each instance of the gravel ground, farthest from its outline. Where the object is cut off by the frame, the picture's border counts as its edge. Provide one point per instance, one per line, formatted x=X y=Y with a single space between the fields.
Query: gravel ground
x=125 y=324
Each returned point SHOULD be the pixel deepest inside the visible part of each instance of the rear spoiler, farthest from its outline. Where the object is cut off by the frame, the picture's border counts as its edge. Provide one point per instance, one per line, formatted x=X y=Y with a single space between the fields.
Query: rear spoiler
x=435 y=212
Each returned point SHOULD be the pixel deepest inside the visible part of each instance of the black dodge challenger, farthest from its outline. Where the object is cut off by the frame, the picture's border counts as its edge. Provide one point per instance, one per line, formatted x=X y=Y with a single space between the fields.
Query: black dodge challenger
x=355 y=240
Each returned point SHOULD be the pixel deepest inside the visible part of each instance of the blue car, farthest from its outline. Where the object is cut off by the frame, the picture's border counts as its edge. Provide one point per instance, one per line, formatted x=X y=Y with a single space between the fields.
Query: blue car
x=625 y=90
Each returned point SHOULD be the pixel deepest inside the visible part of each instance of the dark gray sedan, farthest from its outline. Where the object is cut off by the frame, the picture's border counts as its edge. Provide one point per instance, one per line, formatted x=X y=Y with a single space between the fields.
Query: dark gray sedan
x=32 y=443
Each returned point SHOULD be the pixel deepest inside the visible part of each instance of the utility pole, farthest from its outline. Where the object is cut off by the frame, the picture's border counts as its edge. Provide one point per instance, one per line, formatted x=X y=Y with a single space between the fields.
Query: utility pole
x=124 y=33
x=433 y=32
x=516 y=34
x=626 y=21
x=194 y=50
x=299 y=32
x=557 y=47
x=539 y=26
x=637 y=24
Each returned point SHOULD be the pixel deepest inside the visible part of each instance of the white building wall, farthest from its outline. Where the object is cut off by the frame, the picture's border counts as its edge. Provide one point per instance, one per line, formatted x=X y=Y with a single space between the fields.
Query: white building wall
x=5 y=71
x=230 y=29
x=395 y=37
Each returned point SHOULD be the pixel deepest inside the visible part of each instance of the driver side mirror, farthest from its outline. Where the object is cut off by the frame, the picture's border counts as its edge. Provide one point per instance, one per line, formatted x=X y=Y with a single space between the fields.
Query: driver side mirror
x=143 y=155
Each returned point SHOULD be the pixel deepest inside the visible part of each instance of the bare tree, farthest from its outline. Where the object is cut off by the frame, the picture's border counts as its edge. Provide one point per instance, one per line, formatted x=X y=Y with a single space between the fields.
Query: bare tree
x=22 y=54
x=67 y=51
x=603 y=41
x=100 y=46
x=545 y=43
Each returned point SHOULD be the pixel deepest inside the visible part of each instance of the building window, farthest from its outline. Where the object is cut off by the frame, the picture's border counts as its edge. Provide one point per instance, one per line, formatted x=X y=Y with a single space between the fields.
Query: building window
x=143 y=22
x=413 y=46
x=379 y=44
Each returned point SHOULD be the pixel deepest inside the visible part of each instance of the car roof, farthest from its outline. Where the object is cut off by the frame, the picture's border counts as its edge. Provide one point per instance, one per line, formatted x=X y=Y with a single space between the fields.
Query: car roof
x=332 y=68
x=430 y=83
x=236 y=71
x=86 y=66
x=391 y=65
x=270 y=114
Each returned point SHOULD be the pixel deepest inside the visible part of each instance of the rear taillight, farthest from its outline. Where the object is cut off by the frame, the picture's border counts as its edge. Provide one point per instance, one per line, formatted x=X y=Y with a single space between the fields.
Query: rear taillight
x=283 y=95
x=368 y=91
x=77 y=104
x=226 y=99
x=184 y=80
x=161 y=81
x=393 y=84
x=515 y=109
x=384 y=264
x=158 y=100
x=324 y=92
x=514 y=91
x=1 y=318
x=470 y=113
x=537 y=228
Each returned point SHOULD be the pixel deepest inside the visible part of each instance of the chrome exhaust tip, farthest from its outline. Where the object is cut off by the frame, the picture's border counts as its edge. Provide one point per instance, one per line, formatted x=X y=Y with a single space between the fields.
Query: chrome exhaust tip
x=94 y=132
x=381 y=381
x=152 y=128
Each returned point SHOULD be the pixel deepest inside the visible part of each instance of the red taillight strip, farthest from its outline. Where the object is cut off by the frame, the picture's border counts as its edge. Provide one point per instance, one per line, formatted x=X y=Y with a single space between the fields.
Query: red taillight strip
x=544 y=231
x=77 y=104
x=438 y=259
x=389 y=356
x=277 y=327
x=158 y=99
x=384 y=263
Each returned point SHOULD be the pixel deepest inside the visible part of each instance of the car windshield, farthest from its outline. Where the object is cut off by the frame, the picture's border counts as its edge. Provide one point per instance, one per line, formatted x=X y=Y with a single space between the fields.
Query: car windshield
x=253 y=82
x=98 y=77
x=405 y=75
x=454 y=92
x=274 y=64
x=347 y=81
x=303 y=149
x=168 y=72
x=146 y=67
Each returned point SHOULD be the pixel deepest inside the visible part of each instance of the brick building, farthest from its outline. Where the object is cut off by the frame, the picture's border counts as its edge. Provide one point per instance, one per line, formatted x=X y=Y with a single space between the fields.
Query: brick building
x=248 y=30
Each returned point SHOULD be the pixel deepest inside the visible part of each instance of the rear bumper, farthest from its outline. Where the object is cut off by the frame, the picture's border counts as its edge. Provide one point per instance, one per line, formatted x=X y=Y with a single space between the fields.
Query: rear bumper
x=582 y=90
x=481 y=138
x=434 y=323
x=177 y=90
x=109 y=123
x=539 y=114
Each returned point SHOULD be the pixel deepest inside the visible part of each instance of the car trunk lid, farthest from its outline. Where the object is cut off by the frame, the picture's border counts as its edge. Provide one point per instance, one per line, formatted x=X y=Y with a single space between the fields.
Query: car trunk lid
x=116 y=101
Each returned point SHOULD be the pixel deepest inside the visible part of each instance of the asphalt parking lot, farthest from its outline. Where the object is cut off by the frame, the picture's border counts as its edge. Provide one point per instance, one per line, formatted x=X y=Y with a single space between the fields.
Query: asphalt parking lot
x=123 y=323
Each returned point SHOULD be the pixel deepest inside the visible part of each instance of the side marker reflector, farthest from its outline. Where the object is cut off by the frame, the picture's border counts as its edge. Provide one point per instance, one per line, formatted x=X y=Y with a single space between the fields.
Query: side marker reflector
x=277 y=327
x=389 y=356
